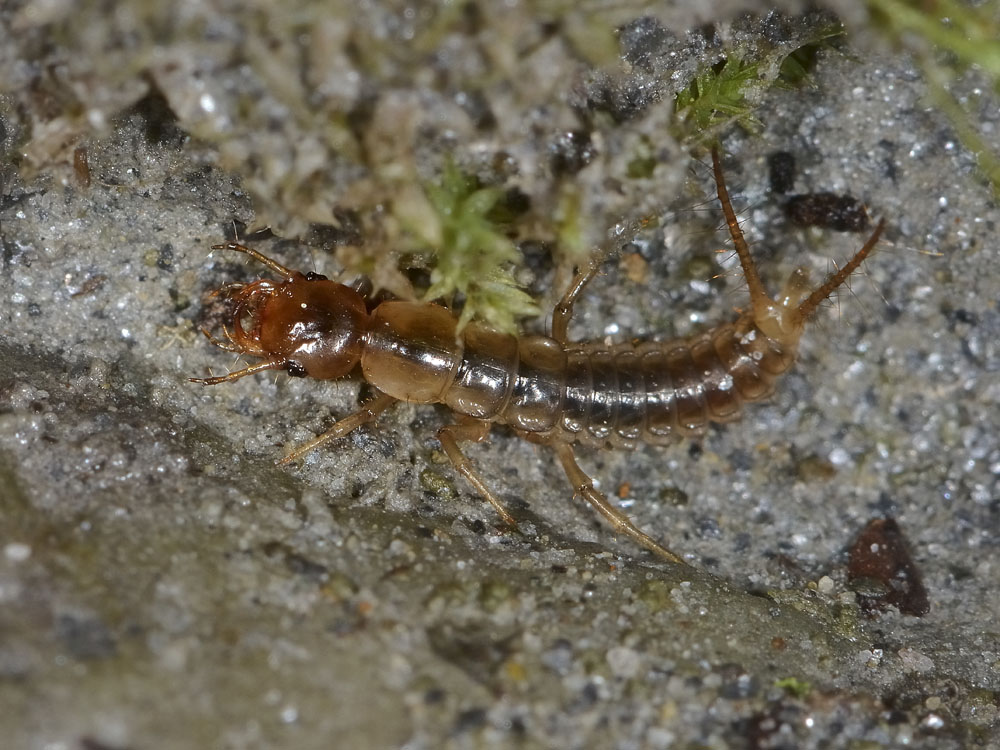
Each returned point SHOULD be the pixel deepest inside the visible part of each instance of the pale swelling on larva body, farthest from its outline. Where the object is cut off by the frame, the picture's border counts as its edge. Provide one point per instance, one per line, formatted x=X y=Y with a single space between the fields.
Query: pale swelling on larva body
x=547 y=389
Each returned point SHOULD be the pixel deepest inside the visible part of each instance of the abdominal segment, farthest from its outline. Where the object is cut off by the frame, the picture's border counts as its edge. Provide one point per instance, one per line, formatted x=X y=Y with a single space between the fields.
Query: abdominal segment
x=590 y=392
x=646 y=391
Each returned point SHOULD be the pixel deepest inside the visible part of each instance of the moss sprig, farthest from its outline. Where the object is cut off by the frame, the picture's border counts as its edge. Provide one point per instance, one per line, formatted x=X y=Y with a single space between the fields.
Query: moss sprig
x=721 y=94
x=474 y=257
x=730 y=91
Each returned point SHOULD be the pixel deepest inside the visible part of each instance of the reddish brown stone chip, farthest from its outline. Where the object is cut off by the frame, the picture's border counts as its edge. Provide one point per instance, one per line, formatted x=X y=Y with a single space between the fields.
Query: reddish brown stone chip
x=882 y=573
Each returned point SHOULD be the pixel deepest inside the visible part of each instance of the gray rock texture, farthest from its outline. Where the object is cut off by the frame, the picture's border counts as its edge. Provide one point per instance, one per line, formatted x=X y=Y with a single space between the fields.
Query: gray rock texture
x=163 y=584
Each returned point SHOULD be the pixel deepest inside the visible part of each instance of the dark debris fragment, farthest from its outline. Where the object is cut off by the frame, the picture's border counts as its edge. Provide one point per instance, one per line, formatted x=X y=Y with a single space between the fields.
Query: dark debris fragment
x=882 y=573
x=781 y=170
x=841 y=213
x=645 y=41
x=570 y=151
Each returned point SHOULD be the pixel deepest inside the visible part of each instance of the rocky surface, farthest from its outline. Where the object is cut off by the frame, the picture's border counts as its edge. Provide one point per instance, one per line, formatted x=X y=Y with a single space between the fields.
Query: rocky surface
x=164 y=584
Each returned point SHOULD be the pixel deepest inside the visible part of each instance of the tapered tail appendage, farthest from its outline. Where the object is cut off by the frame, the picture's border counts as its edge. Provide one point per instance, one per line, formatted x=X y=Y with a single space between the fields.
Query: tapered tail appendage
x=834 y=280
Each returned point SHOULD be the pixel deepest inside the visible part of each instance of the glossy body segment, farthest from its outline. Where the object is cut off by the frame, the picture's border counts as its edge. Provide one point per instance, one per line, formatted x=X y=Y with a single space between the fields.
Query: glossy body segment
x=657 y=391
x=410 y=351
x=616 y=396
x=485 y=379
x=536 y=402
x=546 y=388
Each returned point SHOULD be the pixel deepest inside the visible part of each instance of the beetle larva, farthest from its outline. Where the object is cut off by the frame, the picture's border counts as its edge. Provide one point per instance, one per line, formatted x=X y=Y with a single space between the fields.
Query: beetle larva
x=547 y=389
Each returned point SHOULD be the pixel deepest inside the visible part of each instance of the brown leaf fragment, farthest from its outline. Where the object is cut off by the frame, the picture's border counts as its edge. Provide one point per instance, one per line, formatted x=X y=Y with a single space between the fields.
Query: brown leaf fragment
x=882 y=573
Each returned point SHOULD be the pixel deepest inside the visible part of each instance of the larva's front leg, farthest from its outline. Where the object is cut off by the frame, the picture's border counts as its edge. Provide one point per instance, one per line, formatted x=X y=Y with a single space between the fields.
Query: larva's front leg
x=369 y=412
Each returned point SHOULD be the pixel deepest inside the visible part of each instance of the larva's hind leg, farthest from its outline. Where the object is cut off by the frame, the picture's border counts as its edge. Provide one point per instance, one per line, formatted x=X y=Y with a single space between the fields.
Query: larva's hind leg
x=475 y=430
x=367 y=413
x=583 y=485
x=563 y=311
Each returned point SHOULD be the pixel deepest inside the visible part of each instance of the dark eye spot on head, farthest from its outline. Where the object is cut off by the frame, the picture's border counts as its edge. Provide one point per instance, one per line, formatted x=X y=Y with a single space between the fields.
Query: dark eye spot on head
x=313 y=276
x=296 y=370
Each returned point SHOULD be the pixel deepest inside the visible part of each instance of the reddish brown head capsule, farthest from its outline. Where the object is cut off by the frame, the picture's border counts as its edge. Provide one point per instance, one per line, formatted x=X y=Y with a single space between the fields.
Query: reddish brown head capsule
x=305 y=324
x=312 y=326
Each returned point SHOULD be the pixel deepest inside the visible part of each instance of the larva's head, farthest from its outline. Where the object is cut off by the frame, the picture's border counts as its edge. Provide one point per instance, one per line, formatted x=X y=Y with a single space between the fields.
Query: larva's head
x=311 y=325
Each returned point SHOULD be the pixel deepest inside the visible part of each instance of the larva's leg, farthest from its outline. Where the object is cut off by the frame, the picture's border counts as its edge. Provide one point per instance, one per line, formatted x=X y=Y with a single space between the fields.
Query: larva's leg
x=583 y=485
x=563 y=311
x=476 y=430
x=258 y=367
x=259 y=257
x=367 y=413
x=227 y=345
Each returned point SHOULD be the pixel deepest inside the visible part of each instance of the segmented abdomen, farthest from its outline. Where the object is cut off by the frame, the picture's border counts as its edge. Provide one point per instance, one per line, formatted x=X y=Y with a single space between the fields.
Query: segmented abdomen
x=592 y=393
x=650 y=391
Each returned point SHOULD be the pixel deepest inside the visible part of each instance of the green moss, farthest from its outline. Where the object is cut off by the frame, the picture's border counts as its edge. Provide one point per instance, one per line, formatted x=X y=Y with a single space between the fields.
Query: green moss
x=798 y=66
x=730 y=91
x=718 y=95
x=794 y=686
x=474 y=258
x=437 y=484
x=971 y=34
x=643 y=162
x=570 y=233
